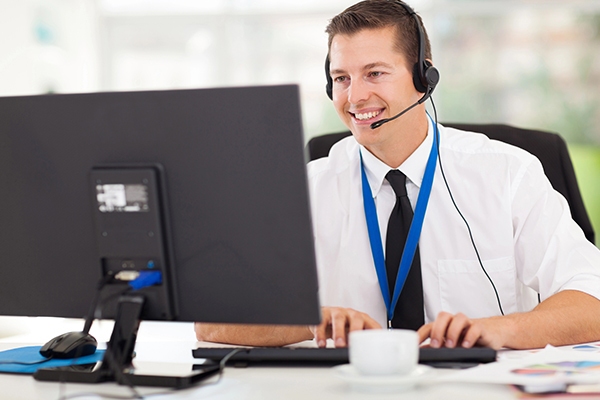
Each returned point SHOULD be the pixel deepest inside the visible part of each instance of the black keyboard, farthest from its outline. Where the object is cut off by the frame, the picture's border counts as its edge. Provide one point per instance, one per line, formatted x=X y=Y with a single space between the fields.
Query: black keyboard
x=311 y=356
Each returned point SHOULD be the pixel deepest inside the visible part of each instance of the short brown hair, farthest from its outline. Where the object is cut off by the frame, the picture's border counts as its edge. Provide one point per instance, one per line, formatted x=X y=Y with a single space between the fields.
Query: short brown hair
x=377 y=14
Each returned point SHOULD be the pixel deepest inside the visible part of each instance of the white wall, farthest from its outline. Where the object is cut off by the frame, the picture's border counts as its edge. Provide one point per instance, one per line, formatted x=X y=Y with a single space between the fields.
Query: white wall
x=48 y=46
x=531 y=64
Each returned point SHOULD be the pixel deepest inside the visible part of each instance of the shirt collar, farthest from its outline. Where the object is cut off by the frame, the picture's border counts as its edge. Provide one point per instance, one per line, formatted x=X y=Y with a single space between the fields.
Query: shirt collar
x=413 y=167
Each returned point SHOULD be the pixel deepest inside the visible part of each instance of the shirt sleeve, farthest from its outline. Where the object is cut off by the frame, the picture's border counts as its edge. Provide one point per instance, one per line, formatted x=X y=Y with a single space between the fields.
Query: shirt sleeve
x=551 y=251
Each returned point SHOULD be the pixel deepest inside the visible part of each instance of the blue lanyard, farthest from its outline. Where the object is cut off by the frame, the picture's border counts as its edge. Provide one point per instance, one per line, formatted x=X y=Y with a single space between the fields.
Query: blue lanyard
x=413 y=234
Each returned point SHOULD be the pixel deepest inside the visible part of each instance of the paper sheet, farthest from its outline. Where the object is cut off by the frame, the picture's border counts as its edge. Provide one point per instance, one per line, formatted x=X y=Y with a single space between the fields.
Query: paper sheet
x=571 y=365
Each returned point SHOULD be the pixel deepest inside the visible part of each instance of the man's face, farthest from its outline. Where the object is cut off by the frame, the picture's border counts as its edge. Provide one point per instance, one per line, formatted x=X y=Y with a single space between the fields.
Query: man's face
x=371 y=81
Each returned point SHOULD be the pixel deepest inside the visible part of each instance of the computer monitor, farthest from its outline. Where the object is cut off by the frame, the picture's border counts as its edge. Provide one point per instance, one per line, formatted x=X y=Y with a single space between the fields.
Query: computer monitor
x=203 y=189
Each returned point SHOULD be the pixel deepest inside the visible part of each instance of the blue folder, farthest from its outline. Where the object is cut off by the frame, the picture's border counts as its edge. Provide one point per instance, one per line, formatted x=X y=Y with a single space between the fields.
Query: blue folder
x=19 y=360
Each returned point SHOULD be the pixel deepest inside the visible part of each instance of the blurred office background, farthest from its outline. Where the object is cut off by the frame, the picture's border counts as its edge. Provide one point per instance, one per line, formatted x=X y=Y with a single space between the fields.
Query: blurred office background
x=529 y=63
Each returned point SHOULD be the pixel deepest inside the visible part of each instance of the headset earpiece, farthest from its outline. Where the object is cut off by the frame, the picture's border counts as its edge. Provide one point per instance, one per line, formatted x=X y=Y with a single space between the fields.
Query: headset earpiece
x=426 y=78
x=329 y=85
x=432 y=75
x=418 y=79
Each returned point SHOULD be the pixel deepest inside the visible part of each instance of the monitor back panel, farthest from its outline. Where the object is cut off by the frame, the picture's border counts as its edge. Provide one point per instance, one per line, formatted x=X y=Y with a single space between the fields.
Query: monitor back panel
x=236 y=189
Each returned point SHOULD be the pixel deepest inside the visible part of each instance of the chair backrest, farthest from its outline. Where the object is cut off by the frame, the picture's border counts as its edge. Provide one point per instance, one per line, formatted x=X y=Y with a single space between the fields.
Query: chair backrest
x=549 y=148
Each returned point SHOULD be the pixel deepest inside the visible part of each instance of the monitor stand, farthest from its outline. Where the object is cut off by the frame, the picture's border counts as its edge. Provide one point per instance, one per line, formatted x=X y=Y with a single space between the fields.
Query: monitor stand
x=118 y=362
x=132 y=235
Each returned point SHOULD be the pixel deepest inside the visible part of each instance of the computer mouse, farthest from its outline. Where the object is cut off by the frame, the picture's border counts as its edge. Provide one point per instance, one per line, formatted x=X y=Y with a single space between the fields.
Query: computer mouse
x=70 y=345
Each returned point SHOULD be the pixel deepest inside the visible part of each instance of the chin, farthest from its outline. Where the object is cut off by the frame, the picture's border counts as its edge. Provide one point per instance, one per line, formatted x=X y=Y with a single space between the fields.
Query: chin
x=366 y=138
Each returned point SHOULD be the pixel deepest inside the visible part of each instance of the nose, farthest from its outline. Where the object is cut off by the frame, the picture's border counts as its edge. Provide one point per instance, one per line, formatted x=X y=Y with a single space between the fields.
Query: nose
x=358 y=91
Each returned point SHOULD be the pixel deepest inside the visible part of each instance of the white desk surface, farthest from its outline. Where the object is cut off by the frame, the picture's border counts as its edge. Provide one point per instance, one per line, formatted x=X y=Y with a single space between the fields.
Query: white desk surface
x=173 y=342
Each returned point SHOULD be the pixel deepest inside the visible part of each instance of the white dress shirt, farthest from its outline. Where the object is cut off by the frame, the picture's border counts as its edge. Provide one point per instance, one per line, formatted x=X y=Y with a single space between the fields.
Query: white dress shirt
x=522 y=228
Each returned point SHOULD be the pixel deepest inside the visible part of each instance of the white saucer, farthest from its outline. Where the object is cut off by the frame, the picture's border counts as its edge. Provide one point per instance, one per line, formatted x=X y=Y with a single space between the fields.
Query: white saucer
x=382 y=383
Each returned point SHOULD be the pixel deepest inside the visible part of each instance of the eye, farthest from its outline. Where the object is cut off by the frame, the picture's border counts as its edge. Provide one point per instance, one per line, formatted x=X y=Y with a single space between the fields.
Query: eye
x=375 y=74
x=340 y=79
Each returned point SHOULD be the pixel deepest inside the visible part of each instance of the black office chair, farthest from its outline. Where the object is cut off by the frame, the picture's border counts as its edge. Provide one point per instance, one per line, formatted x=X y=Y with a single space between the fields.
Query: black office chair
x=549 y=148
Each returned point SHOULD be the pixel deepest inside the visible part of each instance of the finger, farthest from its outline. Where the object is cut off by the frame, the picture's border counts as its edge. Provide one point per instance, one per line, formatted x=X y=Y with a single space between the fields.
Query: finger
x=370 y=323
x=438 y=329
x=457 y=326
x=339 y=321
x=359 y=321
x=424 y=332
x=321 y=329
x=356 y=322
x=472 y=335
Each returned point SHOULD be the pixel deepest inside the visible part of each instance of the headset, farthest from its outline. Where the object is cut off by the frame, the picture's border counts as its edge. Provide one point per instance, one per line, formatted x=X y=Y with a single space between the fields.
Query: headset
x=425 y=75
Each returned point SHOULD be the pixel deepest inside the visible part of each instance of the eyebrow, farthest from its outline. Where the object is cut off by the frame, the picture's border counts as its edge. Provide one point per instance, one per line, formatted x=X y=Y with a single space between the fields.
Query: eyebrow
x=377 y=64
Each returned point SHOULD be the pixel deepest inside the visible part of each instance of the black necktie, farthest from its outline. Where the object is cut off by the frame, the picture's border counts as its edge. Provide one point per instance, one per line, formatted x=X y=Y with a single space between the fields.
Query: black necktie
x=409 y=309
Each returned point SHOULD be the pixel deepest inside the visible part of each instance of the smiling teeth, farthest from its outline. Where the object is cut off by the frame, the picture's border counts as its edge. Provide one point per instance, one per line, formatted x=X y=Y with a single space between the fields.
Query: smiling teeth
x=368 y=115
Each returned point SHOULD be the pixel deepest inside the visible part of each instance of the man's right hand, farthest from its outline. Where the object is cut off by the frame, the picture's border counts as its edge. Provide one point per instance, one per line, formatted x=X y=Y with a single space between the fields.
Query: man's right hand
x=337 y=322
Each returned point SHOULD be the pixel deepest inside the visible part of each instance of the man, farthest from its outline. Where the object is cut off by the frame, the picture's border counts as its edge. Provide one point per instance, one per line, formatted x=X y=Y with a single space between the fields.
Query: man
x=494 y=234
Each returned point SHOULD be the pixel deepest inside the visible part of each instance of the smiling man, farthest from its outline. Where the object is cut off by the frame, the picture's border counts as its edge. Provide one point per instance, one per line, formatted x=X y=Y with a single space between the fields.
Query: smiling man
x=454 y=288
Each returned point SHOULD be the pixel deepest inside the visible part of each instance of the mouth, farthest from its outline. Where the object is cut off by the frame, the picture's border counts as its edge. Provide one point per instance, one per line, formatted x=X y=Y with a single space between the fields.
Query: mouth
x=366 y=116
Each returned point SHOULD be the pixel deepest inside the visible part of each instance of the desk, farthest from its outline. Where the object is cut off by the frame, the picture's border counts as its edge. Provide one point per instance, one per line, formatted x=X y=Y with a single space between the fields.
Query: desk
x=173 y=342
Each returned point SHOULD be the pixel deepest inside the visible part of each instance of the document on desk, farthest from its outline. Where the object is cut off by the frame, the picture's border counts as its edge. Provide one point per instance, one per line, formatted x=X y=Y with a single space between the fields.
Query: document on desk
x=547 y=368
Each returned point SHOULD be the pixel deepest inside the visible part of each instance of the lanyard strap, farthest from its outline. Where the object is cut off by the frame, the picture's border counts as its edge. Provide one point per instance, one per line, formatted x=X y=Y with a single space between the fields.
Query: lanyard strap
x=413 y=234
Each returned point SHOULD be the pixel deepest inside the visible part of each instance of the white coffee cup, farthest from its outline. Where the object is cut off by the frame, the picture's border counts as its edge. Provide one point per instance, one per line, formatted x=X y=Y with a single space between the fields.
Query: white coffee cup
x=384 y=351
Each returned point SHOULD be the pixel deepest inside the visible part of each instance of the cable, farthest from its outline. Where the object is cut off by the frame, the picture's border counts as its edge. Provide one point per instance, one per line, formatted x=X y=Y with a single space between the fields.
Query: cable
x=150 y=278
x=222 y=365
x=113 y=365
x=137 y=395
x=224 y=361
x=108 y=356
x=99 y=286
x=117 y=373
x=458 y=210
x=95 y=306
x=100 y=395
x=145 y=279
